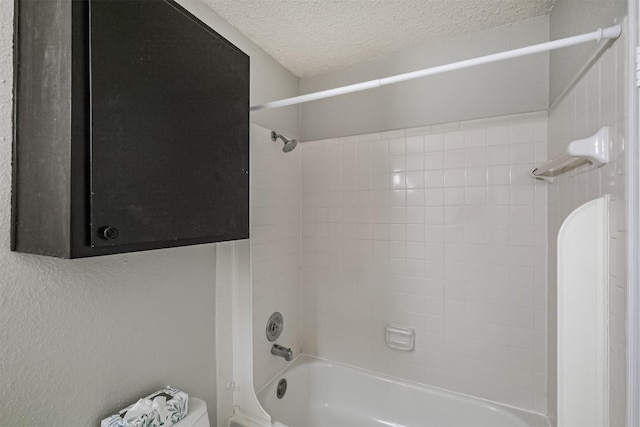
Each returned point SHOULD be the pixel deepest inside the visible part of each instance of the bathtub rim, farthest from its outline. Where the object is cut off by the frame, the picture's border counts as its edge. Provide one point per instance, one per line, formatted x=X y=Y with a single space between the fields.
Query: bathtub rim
x=304 y=358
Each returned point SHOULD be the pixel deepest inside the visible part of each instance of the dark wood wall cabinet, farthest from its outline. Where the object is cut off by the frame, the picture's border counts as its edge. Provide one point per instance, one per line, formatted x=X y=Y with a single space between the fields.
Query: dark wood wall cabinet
x=131 y=129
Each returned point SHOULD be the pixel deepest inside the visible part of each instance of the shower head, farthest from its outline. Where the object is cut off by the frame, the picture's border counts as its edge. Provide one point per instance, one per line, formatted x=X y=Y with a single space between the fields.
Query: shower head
x=289 y=144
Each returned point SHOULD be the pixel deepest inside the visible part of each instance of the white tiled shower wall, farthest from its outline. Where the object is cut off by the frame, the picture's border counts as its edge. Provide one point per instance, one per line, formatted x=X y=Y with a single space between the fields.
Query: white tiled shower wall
x=275 y=248
x=440 y=229
x=598 y=99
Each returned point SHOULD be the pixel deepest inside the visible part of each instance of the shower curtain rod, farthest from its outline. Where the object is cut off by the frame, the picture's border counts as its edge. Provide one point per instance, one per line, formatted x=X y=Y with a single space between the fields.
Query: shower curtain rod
x=612 y=32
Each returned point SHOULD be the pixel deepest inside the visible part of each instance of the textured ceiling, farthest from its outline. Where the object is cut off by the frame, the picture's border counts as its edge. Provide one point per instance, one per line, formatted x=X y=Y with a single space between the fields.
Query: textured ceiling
x=310 y=37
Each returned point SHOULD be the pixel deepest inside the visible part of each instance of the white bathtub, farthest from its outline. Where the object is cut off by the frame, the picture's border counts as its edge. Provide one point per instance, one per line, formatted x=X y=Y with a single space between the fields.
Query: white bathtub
x=327 y=394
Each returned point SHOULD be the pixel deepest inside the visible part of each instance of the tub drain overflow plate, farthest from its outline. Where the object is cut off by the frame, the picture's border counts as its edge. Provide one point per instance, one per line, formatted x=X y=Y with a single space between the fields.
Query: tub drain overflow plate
x=282 y=388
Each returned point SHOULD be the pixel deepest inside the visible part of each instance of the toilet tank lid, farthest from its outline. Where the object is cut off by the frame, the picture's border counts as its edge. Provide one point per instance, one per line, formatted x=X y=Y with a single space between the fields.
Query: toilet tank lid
x=197 y=408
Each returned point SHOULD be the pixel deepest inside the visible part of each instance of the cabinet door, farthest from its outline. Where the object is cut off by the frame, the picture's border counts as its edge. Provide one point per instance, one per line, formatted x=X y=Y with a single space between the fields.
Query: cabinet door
x=169 y=148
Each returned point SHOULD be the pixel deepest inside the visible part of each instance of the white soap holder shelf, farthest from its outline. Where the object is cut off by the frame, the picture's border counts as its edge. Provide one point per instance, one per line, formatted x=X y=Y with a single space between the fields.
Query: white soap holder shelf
x=401 y=337
x=594 y=150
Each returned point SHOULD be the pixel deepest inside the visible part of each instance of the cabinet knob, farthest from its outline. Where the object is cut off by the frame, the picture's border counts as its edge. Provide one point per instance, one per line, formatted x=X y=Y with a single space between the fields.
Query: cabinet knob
x=110 y=233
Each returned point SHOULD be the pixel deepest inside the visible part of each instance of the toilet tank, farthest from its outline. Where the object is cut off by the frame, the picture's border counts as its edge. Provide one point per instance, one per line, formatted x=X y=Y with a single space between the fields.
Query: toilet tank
x=197 y=416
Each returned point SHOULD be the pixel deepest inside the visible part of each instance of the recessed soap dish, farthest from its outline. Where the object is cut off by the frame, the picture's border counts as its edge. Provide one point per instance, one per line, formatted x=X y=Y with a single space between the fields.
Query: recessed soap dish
x=401 y=338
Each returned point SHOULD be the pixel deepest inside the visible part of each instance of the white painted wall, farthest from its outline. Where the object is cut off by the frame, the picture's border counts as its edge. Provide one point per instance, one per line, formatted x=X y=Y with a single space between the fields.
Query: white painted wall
x=514 y=86
x=571 y=17
x=80 y=339
x=597 y=100
x=440 y=229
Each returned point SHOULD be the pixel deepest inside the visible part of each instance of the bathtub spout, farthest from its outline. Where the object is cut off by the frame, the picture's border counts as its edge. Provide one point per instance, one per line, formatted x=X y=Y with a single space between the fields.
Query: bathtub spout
x=283 y=352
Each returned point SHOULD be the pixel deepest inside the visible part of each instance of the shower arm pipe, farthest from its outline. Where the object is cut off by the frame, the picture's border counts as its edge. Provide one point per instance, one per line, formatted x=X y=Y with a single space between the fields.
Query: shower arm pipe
x=612 y=32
